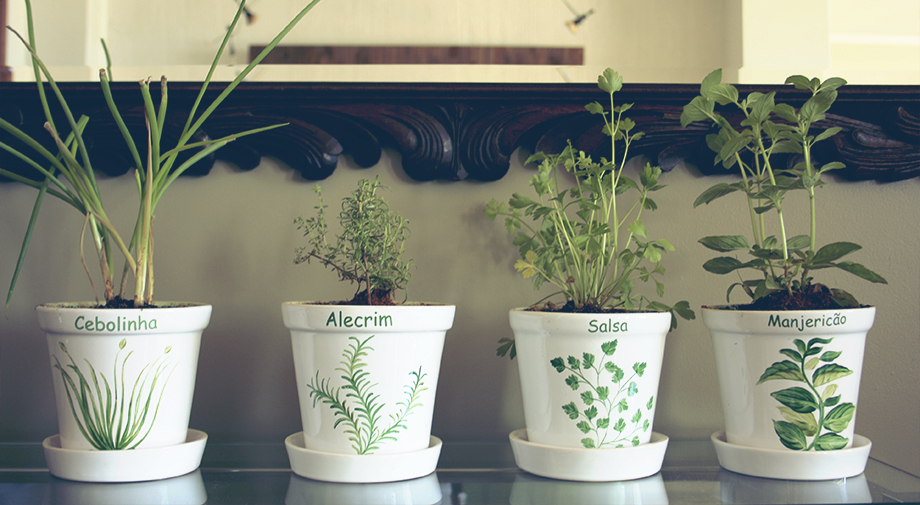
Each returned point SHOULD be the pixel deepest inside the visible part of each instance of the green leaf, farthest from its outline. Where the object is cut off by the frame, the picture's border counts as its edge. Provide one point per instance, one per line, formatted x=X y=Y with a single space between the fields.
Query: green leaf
x=699 y=109
x=588 y=443
x=587 y=397
x=603 y=392
x=785 y=370
x=835 y=251
x=786 y=111
x=583 y=426
x=799 y=81
x=712 y=79
x=603 y=423
x=844 y=299
x=587 y=360
x=838 y=419
x=811 y=364
x=805 y=422
x=722 y=265
x=723 y=94
x=571 y=410
x=798 y=399
x=616 y=371
x=790 y=435
x=558 y=364
x=610 y=81
x=828 y=133
x=860 y=271
x=792 y=354
x=650 y=404
x=829 y=356
x=725 y=243
x=832 y=83
x=574 y=363
x=591 y=412
x=637 y=416
x=622 y=406
x=609 y=348
x=620 y=425
x=594 y=108
x=639 y=368
x=829 y=373
x=798 y=242
x=637 y=227
x=572 y=382
x=830 y=442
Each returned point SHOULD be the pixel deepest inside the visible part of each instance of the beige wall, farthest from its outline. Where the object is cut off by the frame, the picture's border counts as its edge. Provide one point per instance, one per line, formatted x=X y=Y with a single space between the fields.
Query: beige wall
x=227 y=239
x=649 y=41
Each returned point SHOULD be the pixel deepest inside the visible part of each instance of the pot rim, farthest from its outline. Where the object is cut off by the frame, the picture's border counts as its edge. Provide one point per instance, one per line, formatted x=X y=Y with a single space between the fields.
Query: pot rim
x=722 y=309
x=98 y=306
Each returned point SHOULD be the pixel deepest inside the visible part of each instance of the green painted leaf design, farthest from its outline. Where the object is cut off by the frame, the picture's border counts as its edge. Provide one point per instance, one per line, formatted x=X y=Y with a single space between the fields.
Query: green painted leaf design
x=828 y=373
x=798 y=399
x=616 y=371
x=830 y=442
x=839 y=418
x=603 y=392
x=646 y=425
x=588 y=443
x=792 y=354
x=591 y=412
x=790 y=435
x=800 y=345
x=587 y=360
x=634 y=441
x=637 y=416
x=782 y=370
x=812 y=363
x=620 y=425
x=572 y=381
x=830 y=402
x=829 y=391
x=805 y=422
x=829 y=356
x=571 y=410
x=558 y=364
x=584 y=427
x=603 y=423
x=587 y=397
x=574 y=364
x=639 y=368
x=622 y=406
x=651 y=403
x=609 y=348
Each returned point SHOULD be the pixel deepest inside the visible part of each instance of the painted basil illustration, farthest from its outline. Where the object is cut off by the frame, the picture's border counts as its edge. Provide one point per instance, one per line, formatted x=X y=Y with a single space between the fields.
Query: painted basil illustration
x=806 y=410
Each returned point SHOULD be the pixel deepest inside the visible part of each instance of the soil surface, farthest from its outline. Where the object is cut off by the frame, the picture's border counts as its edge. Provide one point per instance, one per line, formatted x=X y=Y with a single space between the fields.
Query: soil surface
x=584 y=309
x=813 y=297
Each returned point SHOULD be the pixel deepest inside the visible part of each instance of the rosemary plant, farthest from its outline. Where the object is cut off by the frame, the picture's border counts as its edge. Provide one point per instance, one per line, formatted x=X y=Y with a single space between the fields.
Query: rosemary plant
x=68 y=172
x=369 y=250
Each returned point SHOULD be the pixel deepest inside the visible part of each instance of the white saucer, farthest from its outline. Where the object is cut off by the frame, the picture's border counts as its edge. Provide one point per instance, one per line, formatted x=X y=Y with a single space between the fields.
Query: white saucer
x=136 y=465
x=187 y=489
x=352 y=468
x=589 y=465
x=793 y=465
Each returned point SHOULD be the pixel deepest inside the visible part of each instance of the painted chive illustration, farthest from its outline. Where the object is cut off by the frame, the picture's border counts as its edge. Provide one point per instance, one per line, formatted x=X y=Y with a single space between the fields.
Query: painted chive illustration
x=107 y=416
x=800 y=404
x=360 y=409
x=602 y=403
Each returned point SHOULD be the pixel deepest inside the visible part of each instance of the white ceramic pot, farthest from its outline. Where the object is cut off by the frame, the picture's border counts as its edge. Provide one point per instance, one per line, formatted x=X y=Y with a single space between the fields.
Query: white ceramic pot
x=789 y=380
x=123 y=378
x=589 y=380
x=367 y=375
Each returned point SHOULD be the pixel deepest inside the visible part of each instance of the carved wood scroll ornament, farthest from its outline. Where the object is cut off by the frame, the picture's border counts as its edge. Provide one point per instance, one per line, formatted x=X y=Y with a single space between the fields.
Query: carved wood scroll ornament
x=462 y=131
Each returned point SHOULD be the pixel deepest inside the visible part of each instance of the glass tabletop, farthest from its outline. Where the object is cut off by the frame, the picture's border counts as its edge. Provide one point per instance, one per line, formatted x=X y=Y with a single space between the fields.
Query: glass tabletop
x=467 y=474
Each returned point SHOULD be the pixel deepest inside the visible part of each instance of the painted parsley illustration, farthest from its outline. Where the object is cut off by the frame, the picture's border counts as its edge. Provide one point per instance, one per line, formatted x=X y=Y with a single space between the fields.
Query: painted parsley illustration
x=800 y=404
x=602 y=402
x=360 y=408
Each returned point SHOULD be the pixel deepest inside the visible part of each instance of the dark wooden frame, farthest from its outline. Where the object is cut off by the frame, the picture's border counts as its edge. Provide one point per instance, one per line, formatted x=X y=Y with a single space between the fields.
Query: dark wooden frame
x=467 y=131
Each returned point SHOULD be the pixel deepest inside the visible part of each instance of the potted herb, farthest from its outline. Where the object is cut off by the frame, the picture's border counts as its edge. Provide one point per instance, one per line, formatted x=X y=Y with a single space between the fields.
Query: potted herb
x=590 y=366
x=124 y=369
x=366 y=368
x=789 y=360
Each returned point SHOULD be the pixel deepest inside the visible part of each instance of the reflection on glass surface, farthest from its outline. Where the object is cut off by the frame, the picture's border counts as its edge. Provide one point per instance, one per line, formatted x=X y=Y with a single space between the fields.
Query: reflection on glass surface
x=422 y=491
x=530 y=489
x=185 y=490
x=737 y=488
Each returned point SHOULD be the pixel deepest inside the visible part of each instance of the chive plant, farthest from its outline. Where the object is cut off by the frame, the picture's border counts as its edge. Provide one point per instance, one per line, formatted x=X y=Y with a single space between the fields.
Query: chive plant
x=68 y=172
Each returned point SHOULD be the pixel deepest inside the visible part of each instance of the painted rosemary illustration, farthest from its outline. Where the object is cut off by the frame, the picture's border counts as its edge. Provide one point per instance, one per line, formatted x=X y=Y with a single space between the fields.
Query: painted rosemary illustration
x=602 y=403
x=360 y=408
x=108 y=417
x=800 y=404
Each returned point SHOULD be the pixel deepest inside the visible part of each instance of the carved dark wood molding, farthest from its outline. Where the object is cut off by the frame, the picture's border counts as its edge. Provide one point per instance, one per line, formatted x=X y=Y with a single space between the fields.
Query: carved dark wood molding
x=464 y=131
